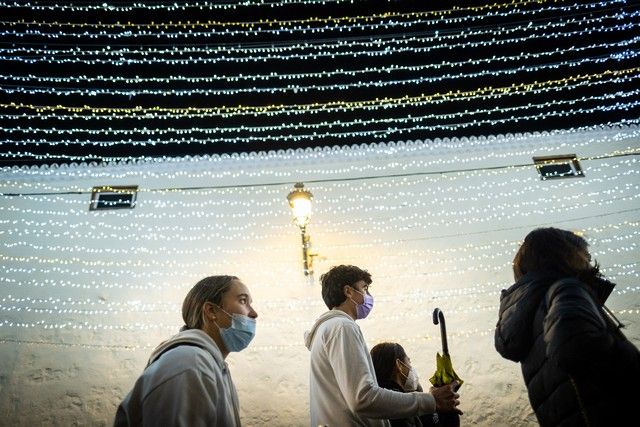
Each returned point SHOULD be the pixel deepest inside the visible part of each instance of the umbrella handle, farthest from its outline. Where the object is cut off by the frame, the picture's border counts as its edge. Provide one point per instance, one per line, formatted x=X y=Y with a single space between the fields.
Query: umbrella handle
x=438 y=317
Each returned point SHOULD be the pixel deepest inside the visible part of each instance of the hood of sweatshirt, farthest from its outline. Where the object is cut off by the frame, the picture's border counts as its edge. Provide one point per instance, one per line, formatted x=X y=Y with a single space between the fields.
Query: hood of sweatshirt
x=308 y=335
x=196 y=337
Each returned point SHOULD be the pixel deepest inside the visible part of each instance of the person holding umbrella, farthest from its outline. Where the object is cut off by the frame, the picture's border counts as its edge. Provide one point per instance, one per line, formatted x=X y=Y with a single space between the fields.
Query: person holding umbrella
x=579 y=369
x=342 y=386
x=394 y=372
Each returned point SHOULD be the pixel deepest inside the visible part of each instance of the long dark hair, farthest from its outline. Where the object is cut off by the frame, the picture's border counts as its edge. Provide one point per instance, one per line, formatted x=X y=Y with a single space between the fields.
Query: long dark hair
x=555 y=250
x=384 y=357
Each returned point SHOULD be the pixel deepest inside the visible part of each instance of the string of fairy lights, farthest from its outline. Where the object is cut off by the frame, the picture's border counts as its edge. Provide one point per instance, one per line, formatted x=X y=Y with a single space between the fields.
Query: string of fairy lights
x=378 y=226
x=335 y=55
x=479 y=214
x=419 y=257
x=389 y=19
x=384 y=70
x=172 y=7
x=92 y=92
x=85 y=76
x=451 y=272
x=178 y=6
x=62 y=308
x=442 y=188
x=209 y=210
x=350 y=106
x=150 y=55
x=385 y=133
x=406 y=156
x=258 y=231
x=374 y=134
x=90 y=307
x=633 y=94
x=420 y=295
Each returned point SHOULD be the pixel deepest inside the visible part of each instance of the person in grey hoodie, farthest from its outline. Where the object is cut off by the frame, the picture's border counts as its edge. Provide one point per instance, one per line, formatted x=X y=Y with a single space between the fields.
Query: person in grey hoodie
x=343 y=386
x=186 y=381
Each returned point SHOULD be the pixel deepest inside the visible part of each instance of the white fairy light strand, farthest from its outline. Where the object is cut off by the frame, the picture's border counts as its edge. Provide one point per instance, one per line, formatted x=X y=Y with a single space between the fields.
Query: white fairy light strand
x=298 y=26
x=489 y=250
x=386 y=171
x=247 y=230
x=375 y=134
x=565 y=83
x=245 y=54
x=83 y=264
x=176 y=6
x=90 y=92
x=304 y=126
x=60 y=307
x=392 y=188
x=268 y=323
x=385 y=70
x=322 y=54
x=171 y=7
x=402 y=150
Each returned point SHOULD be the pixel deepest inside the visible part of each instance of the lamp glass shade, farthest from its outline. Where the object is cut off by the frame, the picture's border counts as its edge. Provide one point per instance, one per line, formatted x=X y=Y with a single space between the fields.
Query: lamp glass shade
x=301 y=208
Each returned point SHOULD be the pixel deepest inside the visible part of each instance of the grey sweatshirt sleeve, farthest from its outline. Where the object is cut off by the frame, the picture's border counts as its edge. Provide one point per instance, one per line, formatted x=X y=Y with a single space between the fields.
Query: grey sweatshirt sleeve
x=354 y=373
x=183 y=400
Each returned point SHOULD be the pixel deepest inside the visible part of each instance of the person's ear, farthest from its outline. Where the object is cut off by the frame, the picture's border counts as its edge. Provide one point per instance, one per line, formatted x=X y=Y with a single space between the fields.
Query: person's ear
x=208 y=311
x=346 y=290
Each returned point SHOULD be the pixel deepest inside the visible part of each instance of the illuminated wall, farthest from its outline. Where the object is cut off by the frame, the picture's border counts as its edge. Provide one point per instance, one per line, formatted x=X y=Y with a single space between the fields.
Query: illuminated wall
x=86 y=295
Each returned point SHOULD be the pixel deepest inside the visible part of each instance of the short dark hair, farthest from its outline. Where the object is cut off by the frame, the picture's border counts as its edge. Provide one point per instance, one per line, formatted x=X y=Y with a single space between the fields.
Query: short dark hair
x=384 y=357
x=553 y=250
x=334 y=281
x=209 y=289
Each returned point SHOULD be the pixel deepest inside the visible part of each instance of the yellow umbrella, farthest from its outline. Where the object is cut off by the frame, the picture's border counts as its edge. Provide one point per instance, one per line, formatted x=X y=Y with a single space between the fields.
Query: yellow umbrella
x=444 y=368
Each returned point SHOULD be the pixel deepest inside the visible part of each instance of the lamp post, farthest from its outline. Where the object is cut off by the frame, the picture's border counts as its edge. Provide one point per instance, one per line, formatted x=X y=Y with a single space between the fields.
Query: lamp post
x=300 y=204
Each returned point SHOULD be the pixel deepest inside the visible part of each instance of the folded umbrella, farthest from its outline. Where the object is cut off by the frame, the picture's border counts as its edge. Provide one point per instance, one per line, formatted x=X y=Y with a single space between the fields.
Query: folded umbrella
x=445 y=373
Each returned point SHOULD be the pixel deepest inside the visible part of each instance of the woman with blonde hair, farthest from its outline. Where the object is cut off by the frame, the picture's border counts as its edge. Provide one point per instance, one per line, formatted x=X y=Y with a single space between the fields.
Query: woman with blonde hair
x=187 y=381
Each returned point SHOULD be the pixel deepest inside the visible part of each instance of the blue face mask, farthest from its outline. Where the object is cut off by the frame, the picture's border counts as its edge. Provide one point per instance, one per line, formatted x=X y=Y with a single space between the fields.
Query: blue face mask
x=238 y=336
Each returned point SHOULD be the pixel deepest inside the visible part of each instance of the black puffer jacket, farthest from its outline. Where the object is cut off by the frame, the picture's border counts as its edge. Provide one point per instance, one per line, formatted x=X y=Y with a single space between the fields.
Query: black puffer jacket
x=578 y=367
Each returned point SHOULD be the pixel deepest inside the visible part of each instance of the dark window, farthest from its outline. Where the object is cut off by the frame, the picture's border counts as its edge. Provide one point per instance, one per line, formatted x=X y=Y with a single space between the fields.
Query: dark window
x=113 y=197
x=562 y=166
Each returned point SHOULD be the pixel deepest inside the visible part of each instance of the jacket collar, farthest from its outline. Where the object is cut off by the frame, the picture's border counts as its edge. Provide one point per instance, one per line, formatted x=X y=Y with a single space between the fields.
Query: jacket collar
x=601 y=288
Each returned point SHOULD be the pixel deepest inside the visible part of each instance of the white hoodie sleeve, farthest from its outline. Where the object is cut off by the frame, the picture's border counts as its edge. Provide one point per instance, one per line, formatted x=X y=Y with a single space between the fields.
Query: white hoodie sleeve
x=354 y=372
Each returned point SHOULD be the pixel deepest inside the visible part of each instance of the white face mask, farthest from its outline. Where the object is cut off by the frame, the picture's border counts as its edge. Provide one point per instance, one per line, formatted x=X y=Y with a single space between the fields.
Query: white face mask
x=412 y=380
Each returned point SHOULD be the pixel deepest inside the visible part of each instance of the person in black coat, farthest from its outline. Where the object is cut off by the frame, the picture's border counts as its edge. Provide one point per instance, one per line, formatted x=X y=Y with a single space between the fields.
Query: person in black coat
x=394 y=372
x=578 y=367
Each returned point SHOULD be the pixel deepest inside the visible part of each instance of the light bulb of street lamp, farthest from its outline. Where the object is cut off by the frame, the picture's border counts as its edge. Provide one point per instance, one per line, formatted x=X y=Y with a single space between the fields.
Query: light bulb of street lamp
x=300 y=203
x=301 y=208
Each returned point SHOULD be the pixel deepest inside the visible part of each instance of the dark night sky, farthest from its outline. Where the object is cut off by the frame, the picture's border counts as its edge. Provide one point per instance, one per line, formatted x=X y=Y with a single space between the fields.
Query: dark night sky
x=579 y=62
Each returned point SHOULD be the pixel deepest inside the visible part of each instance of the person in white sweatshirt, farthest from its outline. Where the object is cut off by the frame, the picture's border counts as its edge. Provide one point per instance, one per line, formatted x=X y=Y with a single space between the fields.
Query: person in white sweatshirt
x=187 y=381
x=343 y=386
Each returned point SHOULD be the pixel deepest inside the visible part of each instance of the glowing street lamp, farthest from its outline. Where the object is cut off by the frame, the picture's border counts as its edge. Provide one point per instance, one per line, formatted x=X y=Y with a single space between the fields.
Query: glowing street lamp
x=300 y=204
